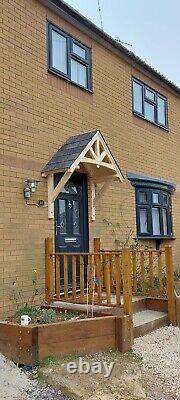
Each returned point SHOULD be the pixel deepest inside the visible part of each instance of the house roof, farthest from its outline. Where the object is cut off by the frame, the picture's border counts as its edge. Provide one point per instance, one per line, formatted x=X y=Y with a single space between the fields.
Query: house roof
x=82 y=149
x=69 y=13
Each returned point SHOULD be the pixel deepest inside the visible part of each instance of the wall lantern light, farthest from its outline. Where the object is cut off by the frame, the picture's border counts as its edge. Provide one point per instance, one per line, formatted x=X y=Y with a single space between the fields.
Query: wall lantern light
x=30 y=187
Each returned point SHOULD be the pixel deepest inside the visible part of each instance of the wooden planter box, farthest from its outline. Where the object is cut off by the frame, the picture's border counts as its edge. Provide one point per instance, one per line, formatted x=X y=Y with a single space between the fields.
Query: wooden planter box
x=29 y=345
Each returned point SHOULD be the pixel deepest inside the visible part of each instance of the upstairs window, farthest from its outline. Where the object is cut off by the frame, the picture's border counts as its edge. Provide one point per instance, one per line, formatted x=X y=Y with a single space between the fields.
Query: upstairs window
x=149 y=104
x=69 y=58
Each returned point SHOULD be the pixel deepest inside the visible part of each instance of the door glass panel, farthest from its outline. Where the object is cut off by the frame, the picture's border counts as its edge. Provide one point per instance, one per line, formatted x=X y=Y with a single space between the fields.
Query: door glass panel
x=137 y=97
x=69 y=188
x=59 y=52
x=161 y=111
x=62 y=216
x=150 y=95
x=79 y=51
x=149 y=111
x=78 y=73
x=142 y=197
x=75 y=217
x=155 y=221
x=155 y=198
x=164 y=214
x=143 y=220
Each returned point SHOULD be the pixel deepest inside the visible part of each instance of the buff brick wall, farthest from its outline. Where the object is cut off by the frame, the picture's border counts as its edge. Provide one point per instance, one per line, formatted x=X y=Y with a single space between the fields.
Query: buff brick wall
x=40 y=111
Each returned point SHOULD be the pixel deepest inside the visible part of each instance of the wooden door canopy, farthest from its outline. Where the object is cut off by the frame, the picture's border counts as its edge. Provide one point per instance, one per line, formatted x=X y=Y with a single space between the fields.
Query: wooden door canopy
x=88 y=153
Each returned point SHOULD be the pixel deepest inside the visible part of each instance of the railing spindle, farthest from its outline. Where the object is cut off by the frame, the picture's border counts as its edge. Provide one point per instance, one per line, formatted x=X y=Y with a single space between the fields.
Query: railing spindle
x=160 y=278
x=143 y=283
x=134 y=272
x=90 y=279
x=57 y=277
x=118 y=279
x=108 y=279
x=74 y=279
x=151 y=274
x=65 y=262
x=98 y=275
x=82 y=270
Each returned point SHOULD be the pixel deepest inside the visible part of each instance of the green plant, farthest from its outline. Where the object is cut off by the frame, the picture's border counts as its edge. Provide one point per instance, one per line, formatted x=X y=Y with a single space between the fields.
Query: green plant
x=47 y=317
x=33 y=312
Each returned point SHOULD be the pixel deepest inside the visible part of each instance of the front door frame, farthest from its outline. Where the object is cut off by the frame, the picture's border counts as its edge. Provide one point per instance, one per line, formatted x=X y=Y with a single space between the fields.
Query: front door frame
x=82 y=177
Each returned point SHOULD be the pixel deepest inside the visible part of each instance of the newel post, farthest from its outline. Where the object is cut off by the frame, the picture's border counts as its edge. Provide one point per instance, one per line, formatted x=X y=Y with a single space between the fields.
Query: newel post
x=127 y=288
x=48 y=270
x=97 y=245
x=170 y=285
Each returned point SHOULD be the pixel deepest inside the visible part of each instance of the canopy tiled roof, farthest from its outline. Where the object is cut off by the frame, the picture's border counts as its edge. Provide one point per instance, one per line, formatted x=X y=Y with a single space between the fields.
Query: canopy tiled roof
x=69 y=152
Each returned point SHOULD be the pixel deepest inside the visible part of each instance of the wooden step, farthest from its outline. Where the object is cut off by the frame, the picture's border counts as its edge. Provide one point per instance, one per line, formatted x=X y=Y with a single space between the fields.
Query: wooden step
x=147 y=321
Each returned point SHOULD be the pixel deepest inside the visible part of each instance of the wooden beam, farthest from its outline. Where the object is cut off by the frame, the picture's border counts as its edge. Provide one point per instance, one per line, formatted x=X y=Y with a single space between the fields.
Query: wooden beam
x=60 y=185
x=50 y=183
x=101 y=191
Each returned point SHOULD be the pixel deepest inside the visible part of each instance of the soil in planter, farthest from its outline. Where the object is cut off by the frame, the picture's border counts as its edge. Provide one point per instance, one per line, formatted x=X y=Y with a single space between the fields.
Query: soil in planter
x=46 y=316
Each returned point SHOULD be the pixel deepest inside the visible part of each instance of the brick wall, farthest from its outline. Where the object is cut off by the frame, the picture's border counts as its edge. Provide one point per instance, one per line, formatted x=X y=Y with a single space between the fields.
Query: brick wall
x=40 y=111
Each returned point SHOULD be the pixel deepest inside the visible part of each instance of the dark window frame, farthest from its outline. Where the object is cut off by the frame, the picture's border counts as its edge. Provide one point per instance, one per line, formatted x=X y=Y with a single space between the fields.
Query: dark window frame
x=151 y=102
x=87 y=62
x=148 y=205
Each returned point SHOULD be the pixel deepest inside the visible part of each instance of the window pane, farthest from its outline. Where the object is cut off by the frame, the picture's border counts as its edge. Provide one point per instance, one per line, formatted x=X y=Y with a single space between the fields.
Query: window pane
x=78 y=73
x=143 y=220
x=164 y=214
x=142 y=197
x=161 y=111
x=69 y=188
x=62 y=216
x=79 y=51
x=155 y=198
x=59 y=52
x=155 y=221
x=149 y=111
x=165 y=200
x=75 y=217
x=150 y=95
x=137 y=97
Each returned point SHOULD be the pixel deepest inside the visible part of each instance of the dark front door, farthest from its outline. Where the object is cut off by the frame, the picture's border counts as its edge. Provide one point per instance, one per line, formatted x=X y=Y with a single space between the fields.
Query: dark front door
x=71 y=220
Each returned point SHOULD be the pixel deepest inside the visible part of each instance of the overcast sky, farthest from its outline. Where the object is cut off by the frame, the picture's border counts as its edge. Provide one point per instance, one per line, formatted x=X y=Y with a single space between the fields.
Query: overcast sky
x=151 y=26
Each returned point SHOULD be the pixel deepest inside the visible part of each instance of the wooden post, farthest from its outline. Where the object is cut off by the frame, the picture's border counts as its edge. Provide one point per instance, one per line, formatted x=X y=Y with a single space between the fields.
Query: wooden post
x=97 y=245
x=127 y=287
x=48 y=270
x=170 y=285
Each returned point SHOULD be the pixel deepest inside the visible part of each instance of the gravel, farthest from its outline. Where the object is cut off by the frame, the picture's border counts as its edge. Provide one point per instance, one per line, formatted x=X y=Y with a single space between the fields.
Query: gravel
x=15 y=384
x=160 y=352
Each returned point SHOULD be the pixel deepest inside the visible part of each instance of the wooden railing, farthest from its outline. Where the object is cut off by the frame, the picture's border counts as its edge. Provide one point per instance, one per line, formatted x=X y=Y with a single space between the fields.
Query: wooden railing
x=110 y=277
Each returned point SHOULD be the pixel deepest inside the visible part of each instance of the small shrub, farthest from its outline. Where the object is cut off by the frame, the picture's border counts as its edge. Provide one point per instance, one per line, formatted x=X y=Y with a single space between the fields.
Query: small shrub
x=48 y=317
x=32 y=312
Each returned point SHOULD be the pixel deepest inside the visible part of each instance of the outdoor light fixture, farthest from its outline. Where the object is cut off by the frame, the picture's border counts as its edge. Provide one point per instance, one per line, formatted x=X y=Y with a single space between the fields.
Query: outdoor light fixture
x=30 y=187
